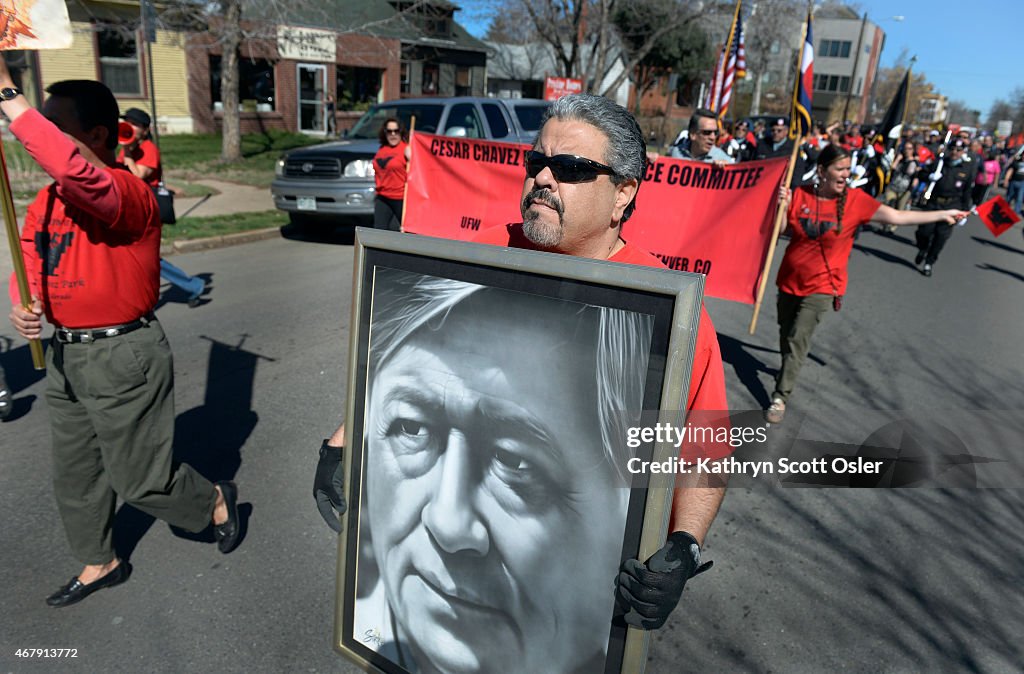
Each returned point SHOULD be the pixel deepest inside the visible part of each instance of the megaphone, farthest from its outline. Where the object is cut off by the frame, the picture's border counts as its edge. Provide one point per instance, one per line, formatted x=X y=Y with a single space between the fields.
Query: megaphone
x=125 y=132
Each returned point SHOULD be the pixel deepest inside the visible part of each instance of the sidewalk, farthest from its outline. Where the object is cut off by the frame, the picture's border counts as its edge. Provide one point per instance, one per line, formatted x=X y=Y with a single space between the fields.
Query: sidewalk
x=233 y=198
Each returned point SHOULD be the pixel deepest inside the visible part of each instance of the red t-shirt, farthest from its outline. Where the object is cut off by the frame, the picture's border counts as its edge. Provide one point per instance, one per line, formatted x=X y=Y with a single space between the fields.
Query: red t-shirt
x=146 y=154
x=389 y=171
x=707 y=380
x=813 y=229
x=91 y=240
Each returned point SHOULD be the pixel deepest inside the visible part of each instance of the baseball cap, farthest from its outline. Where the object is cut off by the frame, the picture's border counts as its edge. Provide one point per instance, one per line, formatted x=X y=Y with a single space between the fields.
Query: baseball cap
x=933 y=132
x=958 y=144
x=780 y=121
x=137 y=117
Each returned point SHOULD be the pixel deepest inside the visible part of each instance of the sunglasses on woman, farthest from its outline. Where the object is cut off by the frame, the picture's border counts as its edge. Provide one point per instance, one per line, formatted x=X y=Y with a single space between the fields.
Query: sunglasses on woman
x=390 y=131
x=567 y=168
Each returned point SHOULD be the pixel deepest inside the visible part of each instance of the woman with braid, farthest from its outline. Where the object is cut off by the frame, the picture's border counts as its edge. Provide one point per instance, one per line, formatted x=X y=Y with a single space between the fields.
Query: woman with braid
x=823 y=218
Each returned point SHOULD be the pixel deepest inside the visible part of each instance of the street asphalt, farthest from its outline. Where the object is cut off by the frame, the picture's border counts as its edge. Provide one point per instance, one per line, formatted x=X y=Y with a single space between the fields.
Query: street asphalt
x=805 y=580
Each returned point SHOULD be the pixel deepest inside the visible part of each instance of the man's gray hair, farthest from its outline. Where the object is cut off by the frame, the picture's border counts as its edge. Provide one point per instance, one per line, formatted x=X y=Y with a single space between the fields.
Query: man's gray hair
x=406 y=303
x=627 y=151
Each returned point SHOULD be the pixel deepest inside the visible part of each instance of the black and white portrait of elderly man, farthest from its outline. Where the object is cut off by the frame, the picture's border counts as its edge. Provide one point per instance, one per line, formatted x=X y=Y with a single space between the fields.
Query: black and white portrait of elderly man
x=491 y=467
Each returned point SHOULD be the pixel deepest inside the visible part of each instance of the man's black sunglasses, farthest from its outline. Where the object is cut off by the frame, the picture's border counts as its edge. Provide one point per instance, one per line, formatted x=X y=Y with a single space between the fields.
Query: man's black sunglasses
x=567 y=168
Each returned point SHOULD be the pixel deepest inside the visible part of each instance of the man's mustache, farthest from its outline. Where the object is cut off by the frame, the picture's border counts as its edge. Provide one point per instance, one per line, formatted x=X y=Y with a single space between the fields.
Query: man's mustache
x=545 y=196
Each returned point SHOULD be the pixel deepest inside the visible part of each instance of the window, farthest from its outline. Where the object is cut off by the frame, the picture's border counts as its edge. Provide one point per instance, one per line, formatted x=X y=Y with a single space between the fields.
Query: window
x=844 y=84
x=495 y=120
x=463 y=81
x=833 y=82
x=835 y=48
x=119 y=61
x=437 y=27
x=357 y=88
x=255 y=83
x=405 y=84
x=463 y=122
x=429 y=79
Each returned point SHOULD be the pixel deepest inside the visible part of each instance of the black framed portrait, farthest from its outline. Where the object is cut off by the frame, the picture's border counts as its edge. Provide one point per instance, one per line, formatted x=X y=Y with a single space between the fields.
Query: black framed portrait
x=490 y=506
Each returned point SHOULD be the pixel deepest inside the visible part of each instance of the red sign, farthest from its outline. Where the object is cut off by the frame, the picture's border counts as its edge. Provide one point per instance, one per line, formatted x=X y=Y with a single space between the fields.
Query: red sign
x=556 y=87
x=997 y=215
x=693 y=216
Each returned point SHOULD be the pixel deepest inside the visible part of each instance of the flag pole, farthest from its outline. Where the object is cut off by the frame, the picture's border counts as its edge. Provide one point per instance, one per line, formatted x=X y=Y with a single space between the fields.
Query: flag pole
x=14 y=241
x=780 y=216
x=780 y=213
x=405 y=189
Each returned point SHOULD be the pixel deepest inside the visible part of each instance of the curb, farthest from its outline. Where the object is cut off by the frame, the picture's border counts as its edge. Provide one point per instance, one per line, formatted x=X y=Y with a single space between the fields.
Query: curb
x=209 y=243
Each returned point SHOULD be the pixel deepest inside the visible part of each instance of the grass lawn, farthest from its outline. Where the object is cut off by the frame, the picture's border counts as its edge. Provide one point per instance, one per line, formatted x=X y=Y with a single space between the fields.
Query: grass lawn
x=217 y=225
x=194 y=157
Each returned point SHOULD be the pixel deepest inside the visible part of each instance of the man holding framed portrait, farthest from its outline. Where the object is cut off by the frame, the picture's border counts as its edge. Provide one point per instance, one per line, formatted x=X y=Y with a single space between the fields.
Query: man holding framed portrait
x=582 y=180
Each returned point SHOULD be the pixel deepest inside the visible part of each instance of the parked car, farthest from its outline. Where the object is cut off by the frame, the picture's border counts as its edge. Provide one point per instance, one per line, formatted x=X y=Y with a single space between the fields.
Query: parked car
x=328 y=182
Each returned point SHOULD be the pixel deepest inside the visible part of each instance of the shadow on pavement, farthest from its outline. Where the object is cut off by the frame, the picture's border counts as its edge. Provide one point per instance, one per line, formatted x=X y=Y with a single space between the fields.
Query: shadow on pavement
x=746 y=366
x=209 y=438
x=881 y=231
x=884 y=256
x=996 y=244
x=1011 y=274
x=17 y=374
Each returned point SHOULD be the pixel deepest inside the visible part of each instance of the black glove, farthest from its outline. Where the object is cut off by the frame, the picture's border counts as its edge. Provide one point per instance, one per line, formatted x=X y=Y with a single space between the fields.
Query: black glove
x=645 y=594
x=329 y=486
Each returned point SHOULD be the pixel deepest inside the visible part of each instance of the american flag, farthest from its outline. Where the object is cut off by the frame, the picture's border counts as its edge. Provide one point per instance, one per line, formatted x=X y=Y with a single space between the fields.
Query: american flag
x=732 y=65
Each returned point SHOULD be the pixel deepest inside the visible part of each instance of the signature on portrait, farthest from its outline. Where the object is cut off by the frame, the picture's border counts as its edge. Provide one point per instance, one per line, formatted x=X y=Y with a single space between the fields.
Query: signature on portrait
x=372 y=636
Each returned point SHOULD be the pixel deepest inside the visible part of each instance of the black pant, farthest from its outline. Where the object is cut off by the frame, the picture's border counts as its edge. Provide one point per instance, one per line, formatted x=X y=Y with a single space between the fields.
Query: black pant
x=387 y=213
x=931 y=238
x=978 y=194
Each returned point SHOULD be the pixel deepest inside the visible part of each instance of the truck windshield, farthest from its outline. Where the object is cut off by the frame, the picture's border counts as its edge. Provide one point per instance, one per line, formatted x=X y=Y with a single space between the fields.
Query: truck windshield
x=428 y=116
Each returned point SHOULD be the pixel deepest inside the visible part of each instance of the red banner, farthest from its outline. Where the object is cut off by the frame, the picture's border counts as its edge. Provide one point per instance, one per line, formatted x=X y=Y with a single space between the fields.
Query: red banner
x=997 y=215
x=693 y=216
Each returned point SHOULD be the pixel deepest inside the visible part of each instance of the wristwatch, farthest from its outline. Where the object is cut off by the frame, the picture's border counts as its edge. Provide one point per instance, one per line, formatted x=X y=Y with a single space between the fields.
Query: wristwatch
x=7 y=93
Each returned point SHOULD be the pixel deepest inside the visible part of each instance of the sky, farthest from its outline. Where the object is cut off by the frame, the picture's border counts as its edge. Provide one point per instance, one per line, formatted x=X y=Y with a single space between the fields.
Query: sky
x=968 y=50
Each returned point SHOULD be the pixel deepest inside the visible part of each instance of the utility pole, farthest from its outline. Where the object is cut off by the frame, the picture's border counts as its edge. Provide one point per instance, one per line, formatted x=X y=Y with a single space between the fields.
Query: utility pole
x=148 y=17
x=856 y=62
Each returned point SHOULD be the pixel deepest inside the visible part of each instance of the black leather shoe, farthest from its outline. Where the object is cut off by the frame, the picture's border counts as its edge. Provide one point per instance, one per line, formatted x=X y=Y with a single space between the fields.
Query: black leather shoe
x=229 y=533
x=75 y=591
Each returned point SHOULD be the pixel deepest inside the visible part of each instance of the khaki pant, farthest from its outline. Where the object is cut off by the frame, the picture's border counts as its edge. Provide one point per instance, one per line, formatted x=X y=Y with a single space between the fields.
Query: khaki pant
x=798 y=317
x=112 y=418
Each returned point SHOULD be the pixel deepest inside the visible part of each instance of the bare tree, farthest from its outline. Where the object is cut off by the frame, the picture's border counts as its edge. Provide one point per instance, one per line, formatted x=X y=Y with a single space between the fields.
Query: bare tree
x=586 y=42
x=999 y=111
x=888 y=80
x=960 y=113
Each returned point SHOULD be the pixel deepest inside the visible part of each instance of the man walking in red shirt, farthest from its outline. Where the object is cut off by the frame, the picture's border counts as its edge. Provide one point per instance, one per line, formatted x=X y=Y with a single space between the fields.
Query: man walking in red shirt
x=91 y=243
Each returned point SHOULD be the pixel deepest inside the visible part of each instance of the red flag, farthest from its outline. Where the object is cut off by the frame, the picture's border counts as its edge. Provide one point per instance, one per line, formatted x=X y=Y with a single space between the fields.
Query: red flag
x=997 y=215
x=691 y=215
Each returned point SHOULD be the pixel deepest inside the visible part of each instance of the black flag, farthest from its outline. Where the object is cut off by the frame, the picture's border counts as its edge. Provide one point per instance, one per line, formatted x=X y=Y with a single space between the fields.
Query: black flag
x=894 y=115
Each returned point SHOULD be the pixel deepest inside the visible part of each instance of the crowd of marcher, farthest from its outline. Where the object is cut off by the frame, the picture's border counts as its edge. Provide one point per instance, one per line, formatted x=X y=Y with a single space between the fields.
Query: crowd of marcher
x=896 y=172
